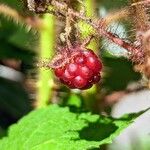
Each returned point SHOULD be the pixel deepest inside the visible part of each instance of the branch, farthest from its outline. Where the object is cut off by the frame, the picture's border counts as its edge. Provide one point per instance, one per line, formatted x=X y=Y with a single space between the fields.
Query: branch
x=135 y=52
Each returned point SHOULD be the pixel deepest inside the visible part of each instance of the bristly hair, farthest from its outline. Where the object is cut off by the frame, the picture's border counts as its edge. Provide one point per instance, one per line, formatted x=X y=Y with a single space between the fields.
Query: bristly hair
x=140 y=15
x=38 y=6
x=10 y=13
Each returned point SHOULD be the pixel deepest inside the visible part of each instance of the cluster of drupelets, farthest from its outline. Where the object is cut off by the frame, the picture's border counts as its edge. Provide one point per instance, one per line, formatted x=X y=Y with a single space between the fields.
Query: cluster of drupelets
x=81 y=71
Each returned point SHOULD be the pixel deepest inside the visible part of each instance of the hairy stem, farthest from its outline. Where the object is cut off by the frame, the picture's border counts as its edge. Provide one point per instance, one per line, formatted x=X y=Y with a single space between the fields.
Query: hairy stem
x=135 y=53
x=90 y=12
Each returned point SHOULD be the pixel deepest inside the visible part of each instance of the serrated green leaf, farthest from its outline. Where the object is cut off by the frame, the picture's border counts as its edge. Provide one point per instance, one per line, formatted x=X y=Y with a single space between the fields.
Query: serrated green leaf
x=56 y=128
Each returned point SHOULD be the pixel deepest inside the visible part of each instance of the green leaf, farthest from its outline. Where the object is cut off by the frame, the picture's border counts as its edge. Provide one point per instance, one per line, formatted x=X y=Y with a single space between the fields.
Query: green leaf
x=56 y=128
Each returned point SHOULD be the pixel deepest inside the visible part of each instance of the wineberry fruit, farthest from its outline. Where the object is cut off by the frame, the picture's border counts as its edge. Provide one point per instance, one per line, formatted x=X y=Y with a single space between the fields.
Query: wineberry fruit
x=81 y=71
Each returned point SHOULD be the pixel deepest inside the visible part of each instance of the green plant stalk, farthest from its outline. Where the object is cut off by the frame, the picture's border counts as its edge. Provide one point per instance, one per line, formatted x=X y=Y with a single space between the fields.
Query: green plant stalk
x=87 y=29
x=47 y=43
x=90 y=12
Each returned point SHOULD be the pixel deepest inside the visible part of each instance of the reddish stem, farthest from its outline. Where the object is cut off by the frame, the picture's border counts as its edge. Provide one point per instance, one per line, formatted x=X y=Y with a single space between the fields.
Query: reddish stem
x=136 y=53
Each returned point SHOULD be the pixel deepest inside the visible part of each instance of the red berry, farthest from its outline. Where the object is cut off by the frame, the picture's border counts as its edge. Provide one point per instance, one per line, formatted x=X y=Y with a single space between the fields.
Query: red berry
x=89 y=85
x=80 y=59
x=94 y=64
x=85 y=72
x=72 y=68
x=67 y=76
x=79 y=82
x=88 y=53
x=82 y=69
x=59 y=72
x=96 y=78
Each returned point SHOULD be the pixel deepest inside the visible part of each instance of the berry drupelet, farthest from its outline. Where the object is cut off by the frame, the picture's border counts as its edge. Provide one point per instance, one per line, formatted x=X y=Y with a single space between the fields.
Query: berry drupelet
x=81 y=71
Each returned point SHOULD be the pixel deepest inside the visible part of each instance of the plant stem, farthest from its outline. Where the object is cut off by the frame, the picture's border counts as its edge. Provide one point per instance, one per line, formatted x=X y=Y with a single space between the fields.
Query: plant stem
x=90 y=12
x=135 y=52
x=45 y=81
x=86 y=29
